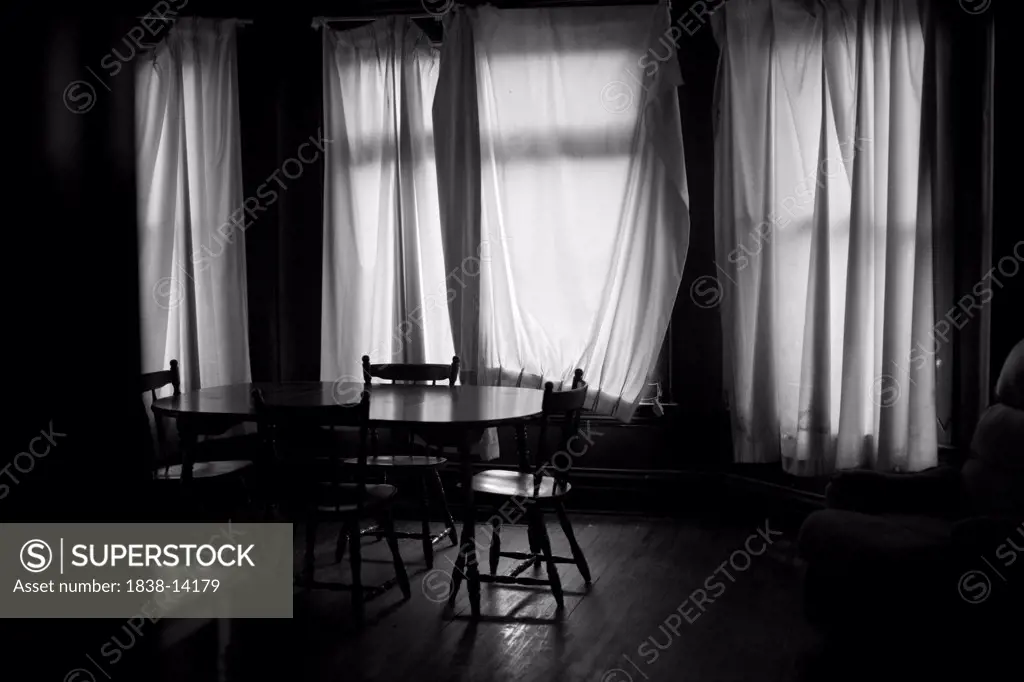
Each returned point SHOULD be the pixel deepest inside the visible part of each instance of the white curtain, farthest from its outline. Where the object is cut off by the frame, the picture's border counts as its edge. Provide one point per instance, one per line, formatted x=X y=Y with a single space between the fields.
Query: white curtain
x=563 y=193
x=385 y=290
x=191 y=222
x=824 y=234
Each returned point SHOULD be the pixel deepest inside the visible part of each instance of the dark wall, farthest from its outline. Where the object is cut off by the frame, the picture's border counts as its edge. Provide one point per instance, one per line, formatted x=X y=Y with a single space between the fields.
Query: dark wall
x=71 y=277
x=71 y=306
x=981 y=249
x=697 y=330
x=1008 y=307
x=280 y=86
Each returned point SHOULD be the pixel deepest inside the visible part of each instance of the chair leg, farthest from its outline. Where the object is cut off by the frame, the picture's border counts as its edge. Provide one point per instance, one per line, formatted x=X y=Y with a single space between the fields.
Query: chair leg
x=449 y=520
x=545 y=548
x=387 y=524
x=428 y=547
x=310 y=558
x=458 y=572
x=577 y=553
x=495 y=553
x=531 y=533
x=247 y=501
x=267 y=512
x=339 y=548
x=356 y=560
x=524 y=467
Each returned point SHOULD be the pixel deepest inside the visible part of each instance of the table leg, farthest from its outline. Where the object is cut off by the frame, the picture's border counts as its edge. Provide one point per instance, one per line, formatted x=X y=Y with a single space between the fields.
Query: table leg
x=466 y=564
x=473 y=569
x=189 y=438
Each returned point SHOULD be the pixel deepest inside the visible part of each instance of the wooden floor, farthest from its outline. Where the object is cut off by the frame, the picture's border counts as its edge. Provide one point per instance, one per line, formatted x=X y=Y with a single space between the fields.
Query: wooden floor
x=622 y=629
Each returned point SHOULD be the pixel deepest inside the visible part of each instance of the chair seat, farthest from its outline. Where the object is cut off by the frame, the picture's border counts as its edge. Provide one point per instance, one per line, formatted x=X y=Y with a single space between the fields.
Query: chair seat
x=204 y=469
x=399 y=461
x=517 y=484
x=344 y=493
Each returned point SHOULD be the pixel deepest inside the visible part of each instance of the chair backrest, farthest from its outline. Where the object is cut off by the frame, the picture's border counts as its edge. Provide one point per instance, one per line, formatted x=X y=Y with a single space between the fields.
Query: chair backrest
x=154 y=381
x=569 y=406
x=293 y=433
x=412 y=373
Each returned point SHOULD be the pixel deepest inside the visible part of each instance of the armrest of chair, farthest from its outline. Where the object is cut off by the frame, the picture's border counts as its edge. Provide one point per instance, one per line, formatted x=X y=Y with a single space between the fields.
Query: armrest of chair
x=986 y=534
x=937 y=491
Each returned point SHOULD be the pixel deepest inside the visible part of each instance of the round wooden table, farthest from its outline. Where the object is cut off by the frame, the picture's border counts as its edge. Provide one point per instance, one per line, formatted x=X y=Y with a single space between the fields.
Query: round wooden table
x=470 y=407
x=467 y=410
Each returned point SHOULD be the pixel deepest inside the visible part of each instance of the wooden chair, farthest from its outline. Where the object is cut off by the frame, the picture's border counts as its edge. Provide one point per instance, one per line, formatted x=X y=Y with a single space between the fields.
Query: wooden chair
x=404 y=461
x=321 y=496
x=538 y=488
x=155 y=381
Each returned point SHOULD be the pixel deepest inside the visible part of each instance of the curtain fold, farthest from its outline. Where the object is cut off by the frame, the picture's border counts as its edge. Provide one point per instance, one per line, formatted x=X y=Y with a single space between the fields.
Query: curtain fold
x=191 y=217
x=573 y=232
x=825 y=234
x=385 y=289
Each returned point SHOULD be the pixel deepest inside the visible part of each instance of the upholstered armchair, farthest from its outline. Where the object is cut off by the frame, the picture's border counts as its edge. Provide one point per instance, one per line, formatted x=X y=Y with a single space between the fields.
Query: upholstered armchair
x=938 y=550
